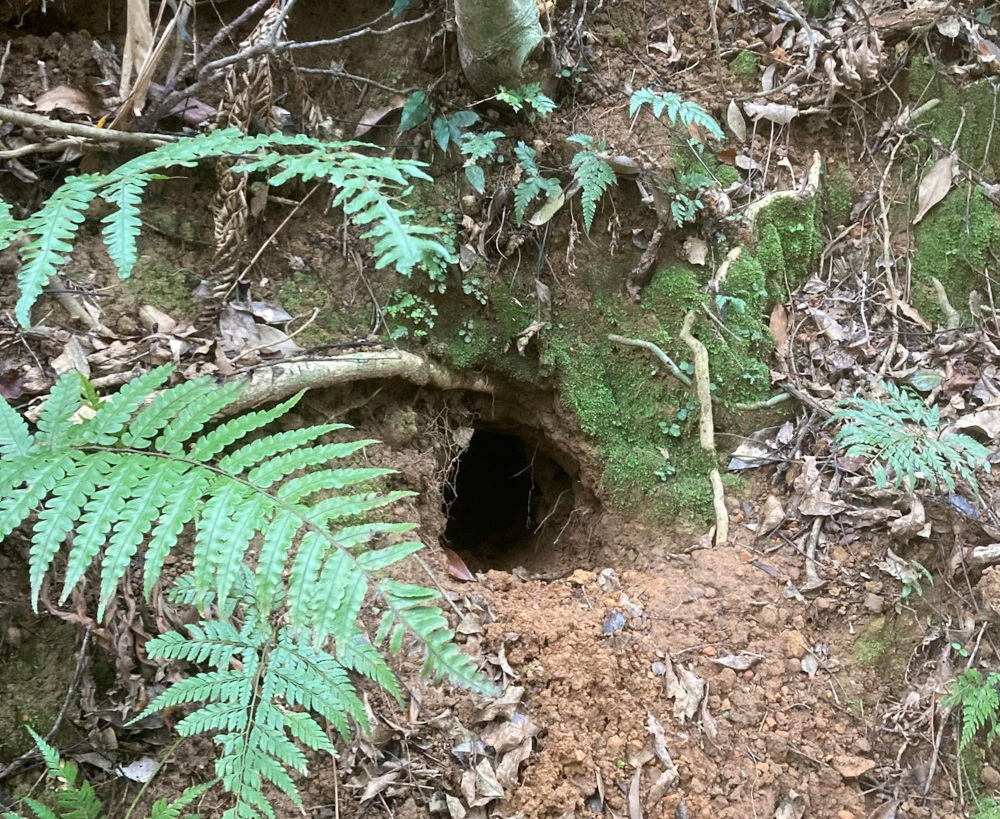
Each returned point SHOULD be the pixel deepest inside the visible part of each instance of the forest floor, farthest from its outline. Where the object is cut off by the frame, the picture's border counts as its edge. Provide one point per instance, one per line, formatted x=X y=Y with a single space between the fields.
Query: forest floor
x=795 y=671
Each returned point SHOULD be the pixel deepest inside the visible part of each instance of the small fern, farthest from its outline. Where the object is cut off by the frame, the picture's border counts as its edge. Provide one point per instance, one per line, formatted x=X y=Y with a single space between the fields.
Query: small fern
x=532 y=182
x=979 y=701
x=78 y=801
x=140 y=469
x=475 y=148
x=679 y=111
x=530 y=95
x=898 y=434
x=366 y=187
x=593 y=174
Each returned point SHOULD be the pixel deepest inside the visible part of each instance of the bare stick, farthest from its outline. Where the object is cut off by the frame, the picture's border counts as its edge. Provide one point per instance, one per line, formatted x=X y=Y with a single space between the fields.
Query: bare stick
x=74 y=129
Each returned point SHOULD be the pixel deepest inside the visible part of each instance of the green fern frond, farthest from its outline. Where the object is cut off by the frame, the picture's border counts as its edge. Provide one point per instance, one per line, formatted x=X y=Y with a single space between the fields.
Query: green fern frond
x=9 y=226
x=411 y=605
x=678 y=111
x=113 y=415
x=365 y=187
x=56 y=419
x=123 y=225
x=264 y=449
x=593 y=174
x=15 y=440
x=224 y=435
x=54 y=228
x=118 y=477
x=898 y=433
x=979 y=700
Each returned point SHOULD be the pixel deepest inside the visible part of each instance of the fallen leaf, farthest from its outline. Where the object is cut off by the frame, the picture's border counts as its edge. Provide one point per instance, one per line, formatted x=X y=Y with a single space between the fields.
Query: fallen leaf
x=771 y=111
x=695 y=250
x=851 y=767
x=11 y=382
x=935 y=185
x=735 y=121
x=548 y=210
x=67 y=98
x=779 y=329
x=457 y=567
x=373 y=116
x=738 y=662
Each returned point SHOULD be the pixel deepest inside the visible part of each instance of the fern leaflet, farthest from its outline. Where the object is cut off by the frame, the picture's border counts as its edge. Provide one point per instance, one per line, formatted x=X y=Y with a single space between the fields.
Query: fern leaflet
x=593 y=175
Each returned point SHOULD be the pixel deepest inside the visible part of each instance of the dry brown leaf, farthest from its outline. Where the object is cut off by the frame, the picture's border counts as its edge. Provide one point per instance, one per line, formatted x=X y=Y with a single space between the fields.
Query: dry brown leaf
x=67 y=98
x=935 y=185
x=373 y=116
x=735 y=121
x=695 y=250
x=457 y=567
x=771 y=111
x=779 y=329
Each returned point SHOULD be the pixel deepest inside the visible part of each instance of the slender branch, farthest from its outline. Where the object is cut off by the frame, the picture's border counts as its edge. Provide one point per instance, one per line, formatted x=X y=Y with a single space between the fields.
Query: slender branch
x=210 y=72
x=75 y=129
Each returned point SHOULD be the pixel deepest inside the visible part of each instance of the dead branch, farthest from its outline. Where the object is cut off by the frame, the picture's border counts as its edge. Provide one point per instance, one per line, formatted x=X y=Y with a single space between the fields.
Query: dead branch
x=210 y=72
x=88 y=132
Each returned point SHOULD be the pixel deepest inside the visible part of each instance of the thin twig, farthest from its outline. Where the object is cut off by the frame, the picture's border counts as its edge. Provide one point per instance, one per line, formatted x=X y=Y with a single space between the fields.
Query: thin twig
x=75 y=129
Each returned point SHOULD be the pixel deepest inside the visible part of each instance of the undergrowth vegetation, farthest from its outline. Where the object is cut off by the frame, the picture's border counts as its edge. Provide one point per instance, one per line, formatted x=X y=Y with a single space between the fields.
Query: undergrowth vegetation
x=365 y=188
x=138 y=469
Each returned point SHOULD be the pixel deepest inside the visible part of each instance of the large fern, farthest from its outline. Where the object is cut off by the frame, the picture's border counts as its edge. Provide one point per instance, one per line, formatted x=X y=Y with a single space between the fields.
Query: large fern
x=136 y=470
x=366 y=188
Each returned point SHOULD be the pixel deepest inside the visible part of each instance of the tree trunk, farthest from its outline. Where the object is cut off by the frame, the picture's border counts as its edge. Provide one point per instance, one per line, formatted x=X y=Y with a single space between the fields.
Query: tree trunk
x=496 y=42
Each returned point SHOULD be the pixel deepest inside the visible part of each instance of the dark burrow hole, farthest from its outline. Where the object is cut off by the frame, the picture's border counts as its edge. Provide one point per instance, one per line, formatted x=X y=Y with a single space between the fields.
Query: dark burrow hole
x=507 y=502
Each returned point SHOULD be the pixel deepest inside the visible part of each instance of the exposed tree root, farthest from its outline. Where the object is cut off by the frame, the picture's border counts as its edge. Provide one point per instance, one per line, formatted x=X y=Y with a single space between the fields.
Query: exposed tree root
x=706 y=424
x=275 y=382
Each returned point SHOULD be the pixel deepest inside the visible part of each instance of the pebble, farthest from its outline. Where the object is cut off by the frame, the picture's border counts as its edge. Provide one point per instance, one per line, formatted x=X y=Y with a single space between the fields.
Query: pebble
x=874 y=603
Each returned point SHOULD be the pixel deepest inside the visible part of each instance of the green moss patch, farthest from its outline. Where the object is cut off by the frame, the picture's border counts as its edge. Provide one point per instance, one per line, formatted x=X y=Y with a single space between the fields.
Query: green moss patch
x=955 y=241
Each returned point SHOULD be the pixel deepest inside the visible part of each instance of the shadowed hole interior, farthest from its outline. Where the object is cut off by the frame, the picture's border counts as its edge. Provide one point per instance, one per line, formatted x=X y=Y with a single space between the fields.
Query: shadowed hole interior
x=506 y=501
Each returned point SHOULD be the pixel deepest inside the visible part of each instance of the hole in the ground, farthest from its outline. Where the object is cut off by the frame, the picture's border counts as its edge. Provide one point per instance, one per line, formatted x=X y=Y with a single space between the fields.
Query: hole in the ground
x=506 y=502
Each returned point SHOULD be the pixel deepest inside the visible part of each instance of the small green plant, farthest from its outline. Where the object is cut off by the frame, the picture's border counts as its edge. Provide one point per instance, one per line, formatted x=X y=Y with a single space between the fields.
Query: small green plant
x=366 y=188
x=467 y=330
x=529 y=95
x=532 y=182
x=449 y=130
x=911 y=579
x=76 y=799
x=475 y=148
x=139 y=470
x=414 y=310
x=903 y=440
x=978 y=699
x=475 y=287
x=593 y=174
x=673 y=428
x=987 y=808
x=685 y=199
x=678 y=111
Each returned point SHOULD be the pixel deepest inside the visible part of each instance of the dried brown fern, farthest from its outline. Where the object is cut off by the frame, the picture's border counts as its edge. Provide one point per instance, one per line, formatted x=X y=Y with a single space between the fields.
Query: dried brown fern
x=247 y=101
